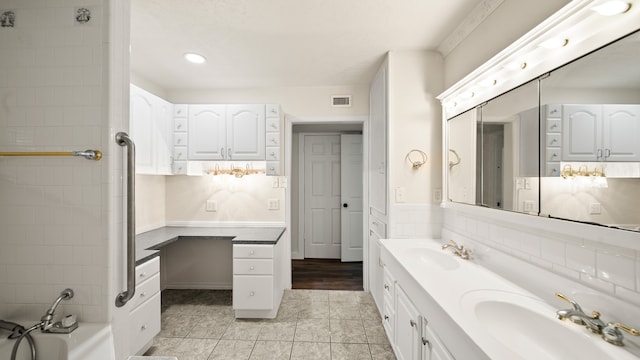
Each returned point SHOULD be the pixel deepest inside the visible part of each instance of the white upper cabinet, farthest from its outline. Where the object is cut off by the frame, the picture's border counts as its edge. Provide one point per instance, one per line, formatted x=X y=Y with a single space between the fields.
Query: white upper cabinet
x=245 y=132
x=600 y=132
x=151 y=129
x=226 y=132
x=207 y=132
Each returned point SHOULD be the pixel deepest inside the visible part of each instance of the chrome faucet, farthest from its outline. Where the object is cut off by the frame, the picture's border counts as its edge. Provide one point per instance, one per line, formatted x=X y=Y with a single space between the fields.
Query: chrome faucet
x=46 y=322
x=610 y=332
x=458 y=250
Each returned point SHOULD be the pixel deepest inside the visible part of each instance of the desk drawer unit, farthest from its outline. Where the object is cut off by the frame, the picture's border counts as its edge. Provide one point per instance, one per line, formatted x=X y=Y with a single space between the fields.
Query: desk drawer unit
x=253 y=279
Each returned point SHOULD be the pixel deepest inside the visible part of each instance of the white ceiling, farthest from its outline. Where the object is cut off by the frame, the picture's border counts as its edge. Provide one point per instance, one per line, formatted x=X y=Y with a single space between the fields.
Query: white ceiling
x=280 y=43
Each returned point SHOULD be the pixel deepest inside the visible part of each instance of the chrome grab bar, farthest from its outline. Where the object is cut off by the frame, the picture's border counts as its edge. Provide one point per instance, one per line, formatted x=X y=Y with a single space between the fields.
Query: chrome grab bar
x=123 y=139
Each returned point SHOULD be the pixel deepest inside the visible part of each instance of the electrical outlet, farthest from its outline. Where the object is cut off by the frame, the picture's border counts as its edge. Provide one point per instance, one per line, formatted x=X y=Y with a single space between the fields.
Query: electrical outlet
x=527 y=184
x=529 y=205
x=401 y=194
x=437 y=195
x=273 y=204
x=275 y=183
x=283 y=182
x=519 y=183
x=595 y=208
x=211 y=205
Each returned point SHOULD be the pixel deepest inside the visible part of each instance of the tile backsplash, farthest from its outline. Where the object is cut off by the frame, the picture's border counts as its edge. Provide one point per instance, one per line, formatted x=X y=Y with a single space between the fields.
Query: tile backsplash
x=574 y=251
x=52 y=210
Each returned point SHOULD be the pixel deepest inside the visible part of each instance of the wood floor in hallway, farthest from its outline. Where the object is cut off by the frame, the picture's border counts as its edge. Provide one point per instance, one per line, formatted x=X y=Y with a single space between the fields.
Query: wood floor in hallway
x=326 y=274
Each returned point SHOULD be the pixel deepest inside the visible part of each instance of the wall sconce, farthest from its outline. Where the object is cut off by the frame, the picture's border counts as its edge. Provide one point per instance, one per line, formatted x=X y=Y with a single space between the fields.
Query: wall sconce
x=454 y=163
x=420 y=155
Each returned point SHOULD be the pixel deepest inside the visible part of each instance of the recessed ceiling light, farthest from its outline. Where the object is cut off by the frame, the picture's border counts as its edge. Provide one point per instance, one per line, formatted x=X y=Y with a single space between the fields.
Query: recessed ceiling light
x=487 y=83
x=611 y=8
x=554 y=43
x=515 y=65
x=195 y=58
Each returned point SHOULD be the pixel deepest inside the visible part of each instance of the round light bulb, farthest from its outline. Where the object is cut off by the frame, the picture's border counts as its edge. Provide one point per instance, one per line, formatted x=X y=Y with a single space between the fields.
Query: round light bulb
x=195 y=58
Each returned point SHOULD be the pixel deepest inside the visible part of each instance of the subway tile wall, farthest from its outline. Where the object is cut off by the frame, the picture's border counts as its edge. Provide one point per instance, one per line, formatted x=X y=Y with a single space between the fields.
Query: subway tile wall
x=415 y=221
x=51 y=99
x=581 y=254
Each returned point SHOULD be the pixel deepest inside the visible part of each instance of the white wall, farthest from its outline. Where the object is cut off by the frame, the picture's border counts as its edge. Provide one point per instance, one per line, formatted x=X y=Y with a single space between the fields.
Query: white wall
x=52 y=211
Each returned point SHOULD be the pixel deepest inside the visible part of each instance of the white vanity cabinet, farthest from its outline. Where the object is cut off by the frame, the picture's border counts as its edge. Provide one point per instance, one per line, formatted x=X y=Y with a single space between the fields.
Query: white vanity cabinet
x=257 y=289
x=408 y=328
x=389 y=304
x=594 y=132
x=150 y=127
x=226 y=132
x=144 y=316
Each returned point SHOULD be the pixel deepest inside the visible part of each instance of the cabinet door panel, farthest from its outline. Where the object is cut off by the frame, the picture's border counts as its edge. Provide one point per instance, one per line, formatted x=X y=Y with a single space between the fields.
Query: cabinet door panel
x=408 y=323
x=142 y=129
x=246 y=132
x=621 y=130
x=207 y=132
x=581 y=126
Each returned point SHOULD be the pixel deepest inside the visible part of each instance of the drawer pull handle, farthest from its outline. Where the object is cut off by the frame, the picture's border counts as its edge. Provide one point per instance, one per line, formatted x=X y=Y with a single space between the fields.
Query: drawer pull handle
x=143 y=295
x=386 y=286
x=251 y=268
x=252 y=293
x=143 y=327
x=142 y=275
x=251 y=252
x=386 y=317
x=412 y=323
x=425 y=342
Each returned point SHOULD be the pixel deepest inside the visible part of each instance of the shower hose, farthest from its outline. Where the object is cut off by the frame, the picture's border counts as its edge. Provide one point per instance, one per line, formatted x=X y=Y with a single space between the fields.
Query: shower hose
x=19 y=332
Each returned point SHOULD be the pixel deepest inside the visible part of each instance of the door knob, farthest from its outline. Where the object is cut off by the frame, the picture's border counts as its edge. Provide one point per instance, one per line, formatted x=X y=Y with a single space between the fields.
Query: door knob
x=345 y=205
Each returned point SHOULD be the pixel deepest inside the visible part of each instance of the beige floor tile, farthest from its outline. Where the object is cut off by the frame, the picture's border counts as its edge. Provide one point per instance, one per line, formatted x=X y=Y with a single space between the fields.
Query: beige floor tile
x=344 y=296
x=173 y=325
x=232 y=350
x=347 y=331
x=316 y=330
x=314 y=310
x=283 y=331
x=271 y=350
x=209 y=327
x=164 y=346
x=243 y=330
x=350 y=352
x=311 y=351
x=381 y=352
x=344 y=310
x=195 y=349
x=376 y=334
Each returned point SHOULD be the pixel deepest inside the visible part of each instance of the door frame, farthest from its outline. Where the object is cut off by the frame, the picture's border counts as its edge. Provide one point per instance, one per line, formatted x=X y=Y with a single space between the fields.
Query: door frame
x=289 y=122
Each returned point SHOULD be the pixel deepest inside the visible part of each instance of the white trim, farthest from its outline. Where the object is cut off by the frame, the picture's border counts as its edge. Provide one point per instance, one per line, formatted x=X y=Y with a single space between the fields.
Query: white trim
x=289 y=121
x=144 y=229
x=226 y=223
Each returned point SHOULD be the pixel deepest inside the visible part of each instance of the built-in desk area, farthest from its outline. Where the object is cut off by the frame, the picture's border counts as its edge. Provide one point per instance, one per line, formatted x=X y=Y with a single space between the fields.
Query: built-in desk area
x=245 y=259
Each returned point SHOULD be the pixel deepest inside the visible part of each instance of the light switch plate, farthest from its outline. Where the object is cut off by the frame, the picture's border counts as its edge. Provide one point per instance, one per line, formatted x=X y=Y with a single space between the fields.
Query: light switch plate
x=211 y=205
x=273 y=204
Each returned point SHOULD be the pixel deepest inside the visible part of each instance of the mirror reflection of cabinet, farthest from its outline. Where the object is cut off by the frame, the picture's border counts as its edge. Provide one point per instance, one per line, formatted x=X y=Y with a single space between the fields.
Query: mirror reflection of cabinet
x=583 y=137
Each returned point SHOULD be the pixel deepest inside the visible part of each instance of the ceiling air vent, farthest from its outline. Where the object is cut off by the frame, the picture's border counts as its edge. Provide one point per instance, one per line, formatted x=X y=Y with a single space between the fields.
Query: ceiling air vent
x=341 y=100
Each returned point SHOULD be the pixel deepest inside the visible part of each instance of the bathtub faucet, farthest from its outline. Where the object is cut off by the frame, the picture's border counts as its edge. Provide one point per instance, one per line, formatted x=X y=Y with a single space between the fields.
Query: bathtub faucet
x=46 y=322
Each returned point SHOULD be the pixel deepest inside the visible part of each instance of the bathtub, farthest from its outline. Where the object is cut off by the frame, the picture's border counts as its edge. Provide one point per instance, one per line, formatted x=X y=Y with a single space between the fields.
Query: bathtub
x=89 y=341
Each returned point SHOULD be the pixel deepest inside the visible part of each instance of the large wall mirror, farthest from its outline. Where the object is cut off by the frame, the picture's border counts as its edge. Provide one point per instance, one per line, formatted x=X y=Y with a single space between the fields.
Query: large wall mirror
x=591 y=115
x=566 y=145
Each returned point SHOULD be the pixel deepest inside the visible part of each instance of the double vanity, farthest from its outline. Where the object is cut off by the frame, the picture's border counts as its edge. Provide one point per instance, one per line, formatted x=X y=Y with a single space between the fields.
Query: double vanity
x=437 y=305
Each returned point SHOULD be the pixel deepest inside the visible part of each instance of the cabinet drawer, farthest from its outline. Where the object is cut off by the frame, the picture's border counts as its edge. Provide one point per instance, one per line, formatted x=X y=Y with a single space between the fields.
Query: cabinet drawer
x=273 y=139
x=273 y=168
x=553 y=169
x=273 y=125
x=147 y=270
x=145 y=290
x=252 y=251
x=553 y=154
x=180 y=111
x=554 y=110
x=252 y=292
x=180 y=167
x=554 y=125
x=273 y=110
x=378 y=227
x=253 y=267
x=144 y=324
x=554 y=139
x=180 y=153
x=180 y=125
x=273 y=153
x=180 y=139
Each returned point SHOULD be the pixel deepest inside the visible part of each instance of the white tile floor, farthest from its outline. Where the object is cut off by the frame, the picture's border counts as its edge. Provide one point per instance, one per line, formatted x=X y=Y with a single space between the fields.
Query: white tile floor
x=311 y=324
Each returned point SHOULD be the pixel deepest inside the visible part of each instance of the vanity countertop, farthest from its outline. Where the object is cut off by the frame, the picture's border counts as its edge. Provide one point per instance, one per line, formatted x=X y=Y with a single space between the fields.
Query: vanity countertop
x=149 y=243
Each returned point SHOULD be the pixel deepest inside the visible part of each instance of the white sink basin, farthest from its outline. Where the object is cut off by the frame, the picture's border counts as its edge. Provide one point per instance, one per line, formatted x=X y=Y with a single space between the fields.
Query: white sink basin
x=528 y=328
x=432 y=258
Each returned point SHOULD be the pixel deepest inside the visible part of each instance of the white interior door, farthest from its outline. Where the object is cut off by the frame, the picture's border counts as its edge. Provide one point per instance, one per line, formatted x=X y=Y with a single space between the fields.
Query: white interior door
x=322 y=196
x=351 y=193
